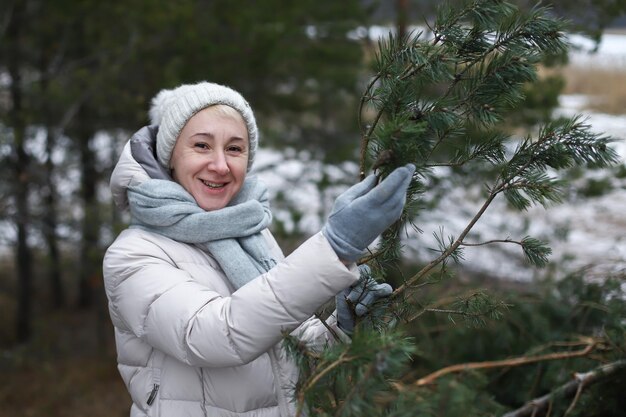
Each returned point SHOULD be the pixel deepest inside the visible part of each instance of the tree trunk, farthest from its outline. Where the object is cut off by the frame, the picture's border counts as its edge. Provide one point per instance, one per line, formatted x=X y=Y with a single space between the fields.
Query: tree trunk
x=20 y=162
x=90 y=262
x=90 y=257
x=57 y=295
x=402 y=15
x=49 y=217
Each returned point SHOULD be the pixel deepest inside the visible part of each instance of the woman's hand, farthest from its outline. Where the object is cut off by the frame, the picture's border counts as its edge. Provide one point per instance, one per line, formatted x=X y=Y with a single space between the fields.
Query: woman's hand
x=355 y=301
x=364 y=211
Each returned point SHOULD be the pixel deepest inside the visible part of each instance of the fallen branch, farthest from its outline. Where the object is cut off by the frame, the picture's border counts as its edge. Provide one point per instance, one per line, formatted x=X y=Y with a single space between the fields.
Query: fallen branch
x=505 y=363
x=572 y=388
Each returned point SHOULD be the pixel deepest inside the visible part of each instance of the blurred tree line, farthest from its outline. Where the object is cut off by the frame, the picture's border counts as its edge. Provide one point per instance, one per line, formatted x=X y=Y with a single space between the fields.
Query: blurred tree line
x=76 y=78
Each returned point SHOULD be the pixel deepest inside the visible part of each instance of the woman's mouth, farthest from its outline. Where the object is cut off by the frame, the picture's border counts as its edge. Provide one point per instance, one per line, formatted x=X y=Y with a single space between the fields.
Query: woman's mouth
x=213 y=185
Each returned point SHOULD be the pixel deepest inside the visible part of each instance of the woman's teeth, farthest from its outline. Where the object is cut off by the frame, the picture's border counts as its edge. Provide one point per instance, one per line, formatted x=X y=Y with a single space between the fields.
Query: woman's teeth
x=212 y=184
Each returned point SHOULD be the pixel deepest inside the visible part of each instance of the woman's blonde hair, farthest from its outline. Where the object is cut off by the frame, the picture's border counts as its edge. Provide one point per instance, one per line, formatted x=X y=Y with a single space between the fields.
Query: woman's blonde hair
x=225 y=110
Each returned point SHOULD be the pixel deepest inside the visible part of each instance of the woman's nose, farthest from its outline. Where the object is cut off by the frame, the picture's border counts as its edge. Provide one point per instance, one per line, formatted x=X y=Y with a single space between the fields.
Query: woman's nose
x=218 y=163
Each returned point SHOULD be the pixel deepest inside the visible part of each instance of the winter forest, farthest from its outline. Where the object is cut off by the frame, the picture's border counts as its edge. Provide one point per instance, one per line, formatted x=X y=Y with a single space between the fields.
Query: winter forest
x=508 y=263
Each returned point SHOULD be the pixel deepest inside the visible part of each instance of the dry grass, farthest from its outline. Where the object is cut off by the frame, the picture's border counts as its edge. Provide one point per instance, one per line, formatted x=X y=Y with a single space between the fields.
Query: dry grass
x=67 y=370
x=69 y=367
x=605 y=87
x=64 y=388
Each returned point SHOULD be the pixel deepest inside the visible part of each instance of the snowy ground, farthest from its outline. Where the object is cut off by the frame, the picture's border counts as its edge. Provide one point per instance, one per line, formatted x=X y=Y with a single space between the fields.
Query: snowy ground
x=611 y=52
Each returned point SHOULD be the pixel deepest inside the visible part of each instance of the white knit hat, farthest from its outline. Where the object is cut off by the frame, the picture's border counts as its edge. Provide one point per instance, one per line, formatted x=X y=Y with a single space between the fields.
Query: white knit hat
x=171 y=109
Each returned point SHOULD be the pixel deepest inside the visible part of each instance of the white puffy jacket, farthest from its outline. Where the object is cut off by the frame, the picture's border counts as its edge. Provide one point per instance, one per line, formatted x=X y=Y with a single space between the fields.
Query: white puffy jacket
x=187 y=344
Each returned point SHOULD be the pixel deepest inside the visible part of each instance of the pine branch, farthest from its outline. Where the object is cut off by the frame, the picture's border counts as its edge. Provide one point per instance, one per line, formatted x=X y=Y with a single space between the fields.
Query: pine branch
x=473 y=307
x=365 y=142
x=506 y=363
x=580 y=382
x=316 y=377
x=581 y=385
x=366 y=135
x=515 y=175
x=450 y=249
x=489 y=242
x=536 y=252
x=370 y=369
x=330 y=329
x=454 y=312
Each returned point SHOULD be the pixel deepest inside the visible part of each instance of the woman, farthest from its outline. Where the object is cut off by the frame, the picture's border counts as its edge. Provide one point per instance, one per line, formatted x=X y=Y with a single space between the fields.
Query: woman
x=199 y=293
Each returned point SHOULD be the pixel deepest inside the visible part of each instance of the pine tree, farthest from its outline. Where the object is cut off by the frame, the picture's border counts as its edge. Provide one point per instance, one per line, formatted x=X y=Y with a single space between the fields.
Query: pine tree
x=430 y=92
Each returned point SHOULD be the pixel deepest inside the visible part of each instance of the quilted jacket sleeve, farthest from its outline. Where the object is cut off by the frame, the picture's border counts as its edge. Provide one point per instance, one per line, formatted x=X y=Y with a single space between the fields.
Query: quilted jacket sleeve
x=313 y=332
x=163 y=306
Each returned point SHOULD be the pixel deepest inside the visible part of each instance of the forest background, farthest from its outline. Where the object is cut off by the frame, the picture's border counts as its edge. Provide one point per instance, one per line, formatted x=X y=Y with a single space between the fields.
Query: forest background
x=75 y=81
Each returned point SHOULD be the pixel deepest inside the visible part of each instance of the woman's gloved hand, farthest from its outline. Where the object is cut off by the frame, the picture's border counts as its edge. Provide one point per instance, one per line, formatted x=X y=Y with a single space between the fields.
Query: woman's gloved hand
x=355 y=301
x=364 y=211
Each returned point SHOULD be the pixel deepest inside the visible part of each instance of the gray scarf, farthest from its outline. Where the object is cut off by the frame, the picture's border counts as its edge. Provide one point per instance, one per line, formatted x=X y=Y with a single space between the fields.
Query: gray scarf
x=231 y=235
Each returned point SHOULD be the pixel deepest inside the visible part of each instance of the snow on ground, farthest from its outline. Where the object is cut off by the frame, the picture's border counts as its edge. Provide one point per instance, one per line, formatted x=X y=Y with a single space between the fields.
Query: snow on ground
x=611 y=52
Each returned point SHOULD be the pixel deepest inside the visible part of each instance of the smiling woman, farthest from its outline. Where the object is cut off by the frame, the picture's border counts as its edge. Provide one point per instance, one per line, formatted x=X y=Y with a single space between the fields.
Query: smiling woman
x=210 y=158
x=199 y=292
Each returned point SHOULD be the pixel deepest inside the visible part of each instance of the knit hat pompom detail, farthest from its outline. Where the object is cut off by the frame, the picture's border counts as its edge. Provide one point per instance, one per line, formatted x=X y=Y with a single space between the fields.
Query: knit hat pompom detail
x=171 y=109
x=159 y=104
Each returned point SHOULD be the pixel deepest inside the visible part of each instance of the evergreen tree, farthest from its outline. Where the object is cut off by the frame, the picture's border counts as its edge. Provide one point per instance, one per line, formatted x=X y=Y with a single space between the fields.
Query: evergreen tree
x=432 y=91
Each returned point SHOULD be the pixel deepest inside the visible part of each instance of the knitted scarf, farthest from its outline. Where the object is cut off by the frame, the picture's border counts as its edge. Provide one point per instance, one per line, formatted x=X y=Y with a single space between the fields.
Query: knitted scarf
x=231 y=235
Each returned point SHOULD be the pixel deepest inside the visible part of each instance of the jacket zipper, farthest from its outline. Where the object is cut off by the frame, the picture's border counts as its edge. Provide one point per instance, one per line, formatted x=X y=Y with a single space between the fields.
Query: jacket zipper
x=157 y=364
x=153 y=394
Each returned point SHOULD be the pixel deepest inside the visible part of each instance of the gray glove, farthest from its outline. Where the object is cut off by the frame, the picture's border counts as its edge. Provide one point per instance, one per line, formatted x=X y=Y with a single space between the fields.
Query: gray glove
x=364 y=211
x=355 y=301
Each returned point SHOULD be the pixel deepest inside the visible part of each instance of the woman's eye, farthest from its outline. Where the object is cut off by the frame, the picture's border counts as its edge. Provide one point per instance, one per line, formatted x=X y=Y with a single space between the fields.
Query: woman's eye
x=201 y=145
x=234 y=149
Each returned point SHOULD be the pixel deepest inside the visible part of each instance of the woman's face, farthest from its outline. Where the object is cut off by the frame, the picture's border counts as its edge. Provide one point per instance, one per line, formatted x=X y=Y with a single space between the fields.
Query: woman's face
x=210 y=158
